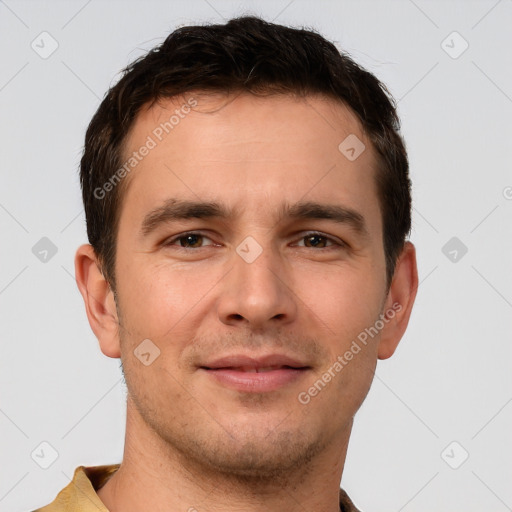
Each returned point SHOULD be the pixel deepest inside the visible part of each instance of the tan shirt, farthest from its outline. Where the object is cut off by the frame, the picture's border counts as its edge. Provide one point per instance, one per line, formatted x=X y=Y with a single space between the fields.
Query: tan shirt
x=80 y=494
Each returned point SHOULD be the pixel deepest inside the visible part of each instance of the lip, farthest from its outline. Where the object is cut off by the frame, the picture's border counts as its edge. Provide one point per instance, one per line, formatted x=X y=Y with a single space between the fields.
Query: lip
x=255 y=374
x=240 y=360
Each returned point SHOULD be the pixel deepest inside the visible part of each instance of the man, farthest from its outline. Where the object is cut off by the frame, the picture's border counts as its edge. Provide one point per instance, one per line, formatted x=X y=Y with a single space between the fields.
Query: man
x=247 y=199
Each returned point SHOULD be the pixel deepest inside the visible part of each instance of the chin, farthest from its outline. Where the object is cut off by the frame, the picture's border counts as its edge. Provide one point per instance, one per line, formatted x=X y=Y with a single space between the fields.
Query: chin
x=251 y=456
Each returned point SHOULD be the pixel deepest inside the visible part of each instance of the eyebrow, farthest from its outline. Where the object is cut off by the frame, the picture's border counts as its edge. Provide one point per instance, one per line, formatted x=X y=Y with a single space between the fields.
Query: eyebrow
x=174 y=209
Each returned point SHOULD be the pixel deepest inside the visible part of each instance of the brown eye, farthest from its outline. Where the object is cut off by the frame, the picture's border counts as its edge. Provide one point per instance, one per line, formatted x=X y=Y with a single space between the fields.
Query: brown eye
x=188 y=241
x=191 y=240
x=320 y=241
x=315 y=241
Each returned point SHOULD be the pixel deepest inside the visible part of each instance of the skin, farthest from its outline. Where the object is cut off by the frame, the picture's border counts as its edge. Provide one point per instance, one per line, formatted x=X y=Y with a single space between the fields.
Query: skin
x=191 y=441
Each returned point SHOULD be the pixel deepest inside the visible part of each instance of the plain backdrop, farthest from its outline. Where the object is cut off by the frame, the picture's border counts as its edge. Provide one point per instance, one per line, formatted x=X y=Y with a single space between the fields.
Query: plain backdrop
x=435 y=430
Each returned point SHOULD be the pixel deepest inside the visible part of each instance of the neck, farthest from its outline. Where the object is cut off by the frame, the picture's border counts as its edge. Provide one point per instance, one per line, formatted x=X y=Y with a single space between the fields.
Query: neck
x=156 y=476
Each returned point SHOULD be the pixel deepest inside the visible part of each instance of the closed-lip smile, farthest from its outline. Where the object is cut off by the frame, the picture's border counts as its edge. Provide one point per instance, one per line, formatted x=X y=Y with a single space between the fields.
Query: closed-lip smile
x=255 y=374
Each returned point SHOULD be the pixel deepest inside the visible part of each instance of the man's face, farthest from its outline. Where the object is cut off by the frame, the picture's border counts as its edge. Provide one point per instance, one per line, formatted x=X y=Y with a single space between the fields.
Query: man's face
x=295 y=289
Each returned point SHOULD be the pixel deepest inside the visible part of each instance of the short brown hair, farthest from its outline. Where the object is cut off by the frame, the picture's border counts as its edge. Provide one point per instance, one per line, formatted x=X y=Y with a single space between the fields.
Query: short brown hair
x=247 y=54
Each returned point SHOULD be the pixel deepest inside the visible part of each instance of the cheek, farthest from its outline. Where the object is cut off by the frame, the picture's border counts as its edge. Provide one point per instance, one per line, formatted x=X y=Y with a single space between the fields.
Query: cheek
x=160 y=300
x=342 y=299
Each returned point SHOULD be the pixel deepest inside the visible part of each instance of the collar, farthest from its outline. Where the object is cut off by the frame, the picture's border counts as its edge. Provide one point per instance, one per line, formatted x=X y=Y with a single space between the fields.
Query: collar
x=80 y=494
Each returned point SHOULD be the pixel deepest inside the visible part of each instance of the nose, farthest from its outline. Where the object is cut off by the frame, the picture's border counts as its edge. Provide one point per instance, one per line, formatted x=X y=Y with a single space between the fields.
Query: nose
x=257 y=292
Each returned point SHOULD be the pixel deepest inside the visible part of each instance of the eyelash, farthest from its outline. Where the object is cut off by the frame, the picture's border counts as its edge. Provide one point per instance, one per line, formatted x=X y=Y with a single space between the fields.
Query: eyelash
x=340 y=244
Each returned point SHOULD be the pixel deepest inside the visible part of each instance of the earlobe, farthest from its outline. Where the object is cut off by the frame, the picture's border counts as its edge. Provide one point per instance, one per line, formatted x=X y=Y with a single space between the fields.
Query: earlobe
x=399 y=301
x=98 y=299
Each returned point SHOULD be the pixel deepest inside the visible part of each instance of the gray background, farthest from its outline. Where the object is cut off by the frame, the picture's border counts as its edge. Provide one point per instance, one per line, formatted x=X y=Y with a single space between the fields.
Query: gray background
x=450 y=378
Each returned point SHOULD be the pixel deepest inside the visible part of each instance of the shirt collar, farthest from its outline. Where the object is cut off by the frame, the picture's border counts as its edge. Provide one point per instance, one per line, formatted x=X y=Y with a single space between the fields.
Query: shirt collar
x=80 y=494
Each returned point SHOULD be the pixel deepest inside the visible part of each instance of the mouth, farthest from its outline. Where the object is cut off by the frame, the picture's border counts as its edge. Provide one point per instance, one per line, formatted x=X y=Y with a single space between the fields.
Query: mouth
x=254 y=369
x=247 y=374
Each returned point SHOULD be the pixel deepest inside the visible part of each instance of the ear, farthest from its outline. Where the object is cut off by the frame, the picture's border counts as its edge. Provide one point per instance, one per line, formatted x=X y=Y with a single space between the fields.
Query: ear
x=99 y=300
x=399 y=301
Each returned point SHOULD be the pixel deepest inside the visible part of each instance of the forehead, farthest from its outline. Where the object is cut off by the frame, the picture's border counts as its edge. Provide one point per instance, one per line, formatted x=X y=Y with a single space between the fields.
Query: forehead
x=295 y=120
x=247 y=150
